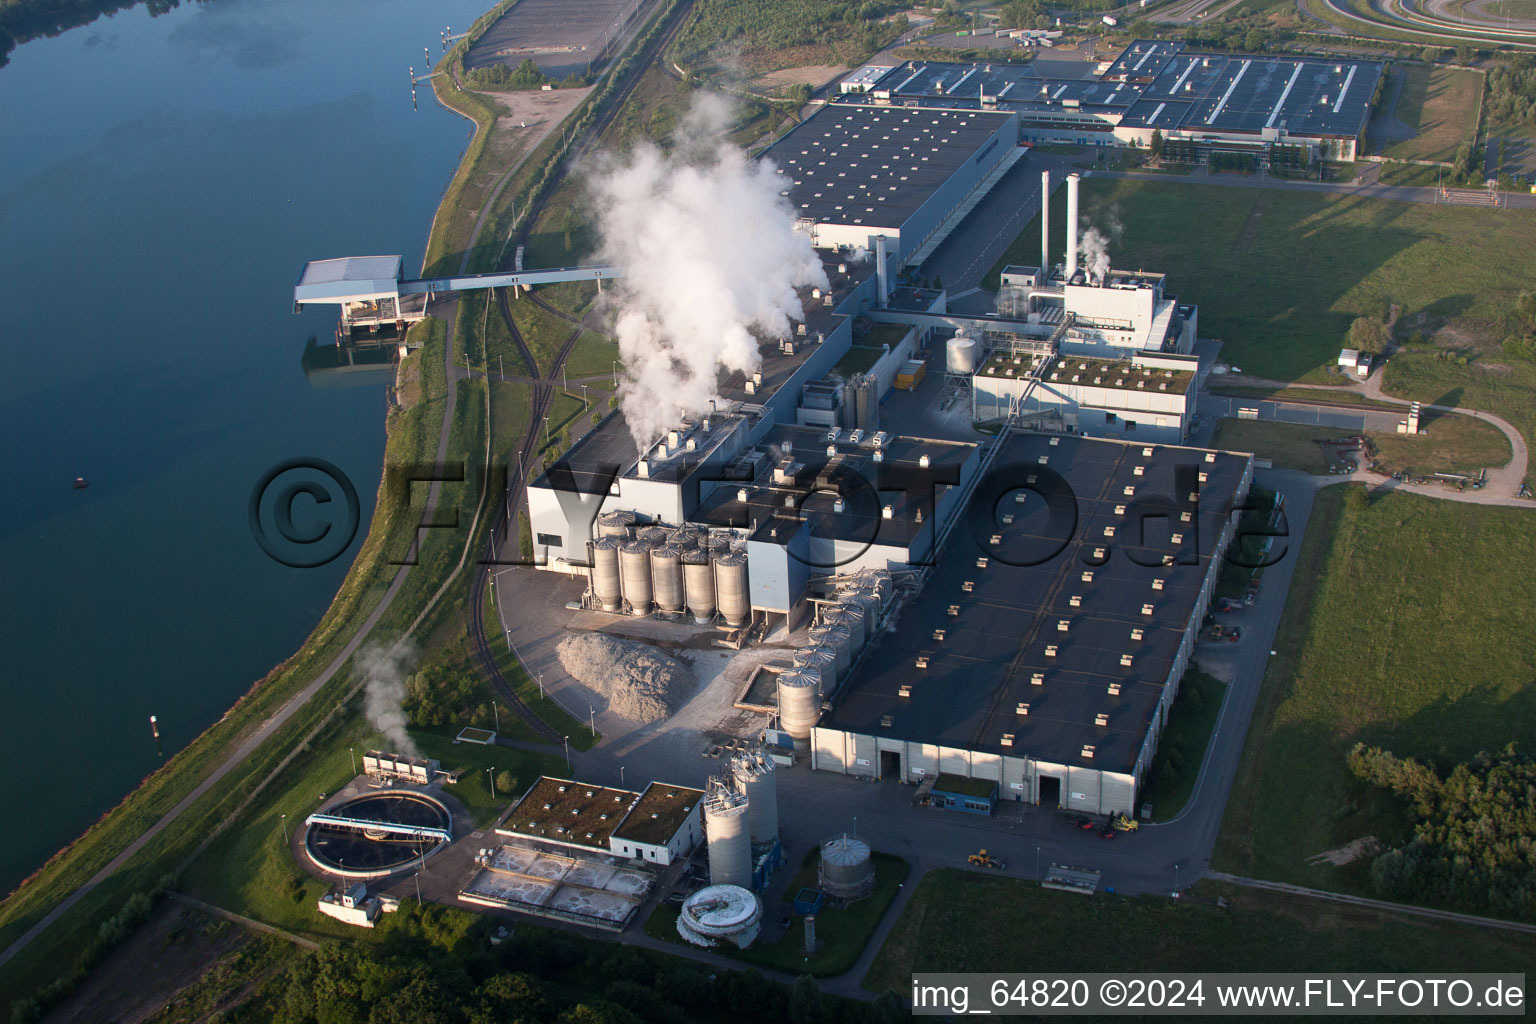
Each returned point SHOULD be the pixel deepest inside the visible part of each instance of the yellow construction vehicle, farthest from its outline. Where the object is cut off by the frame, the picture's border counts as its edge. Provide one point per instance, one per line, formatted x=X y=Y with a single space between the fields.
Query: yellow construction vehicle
x=982 y=859
x=1124 y=824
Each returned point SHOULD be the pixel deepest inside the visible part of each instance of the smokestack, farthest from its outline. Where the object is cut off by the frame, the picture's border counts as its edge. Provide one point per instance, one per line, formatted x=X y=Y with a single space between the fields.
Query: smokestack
x=881 y=282
x=1071 y=224
x=1045 y=225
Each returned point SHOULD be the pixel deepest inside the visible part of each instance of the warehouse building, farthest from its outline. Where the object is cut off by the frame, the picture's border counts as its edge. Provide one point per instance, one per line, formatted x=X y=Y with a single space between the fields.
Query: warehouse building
x=1202 y=103
x=659 y=825
x=1048 y=644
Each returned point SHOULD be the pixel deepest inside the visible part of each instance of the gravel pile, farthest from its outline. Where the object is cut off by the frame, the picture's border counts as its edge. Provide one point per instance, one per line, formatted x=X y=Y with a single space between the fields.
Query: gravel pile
x=640 y=682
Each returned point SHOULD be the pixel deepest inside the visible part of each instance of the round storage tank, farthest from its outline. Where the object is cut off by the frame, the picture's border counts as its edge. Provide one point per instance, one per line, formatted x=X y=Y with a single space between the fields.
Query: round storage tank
x=725 y=829
x=720 y=913
x=799 y=702
x=684 y=538
x=960 y=355
x=616 y=524
x=821 y=658
x=754 y=777
x=731 y=588
x=635 y=573
x=839 y=640
x=857 y=621
x=699 y=585
x=667 y=578
x=870 y=605
x=847 y=871
x=655 y=536
x=605 y=574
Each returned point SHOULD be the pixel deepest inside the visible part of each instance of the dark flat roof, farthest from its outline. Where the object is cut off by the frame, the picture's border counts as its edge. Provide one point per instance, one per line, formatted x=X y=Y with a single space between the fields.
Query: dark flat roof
x=567 y=811
x=1005 y=616
x=853 y=163
x=659 y=813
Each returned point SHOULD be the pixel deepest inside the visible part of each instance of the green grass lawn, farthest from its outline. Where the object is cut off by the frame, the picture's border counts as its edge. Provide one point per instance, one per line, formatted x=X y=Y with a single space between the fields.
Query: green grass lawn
x=841 y=933
x=1337 y=395
x=1279 y=276
x=1287 y=445
x=594 y=355
x=542 y=331
x=1507 y=387
x=1441 y=103
x=1407 y=627
x=1176 y=767
x=967 y=921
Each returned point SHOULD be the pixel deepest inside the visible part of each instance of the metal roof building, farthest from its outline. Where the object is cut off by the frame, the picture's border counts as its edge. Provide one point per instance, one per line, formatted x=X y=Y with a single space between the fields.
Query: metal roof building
x=1047 y=645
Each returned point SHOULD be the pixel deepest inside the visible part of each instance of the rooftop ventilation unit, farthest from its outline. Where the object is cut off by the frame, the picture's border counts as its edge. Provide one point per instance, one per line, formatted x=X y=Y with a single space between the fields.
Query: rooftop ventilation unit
x=954 y=611
x=742 y=494
x=1204 y=476
x=1043 y=459
x=1055 y=441
x=1007 y=740
x=1136 y=634
x=1075 y=601
x=922 y=460
x=981 y=563
x=886 y=721
x=1050 y=650
x=1184 y=517
x=1147 y=452
x=1101 y=719
x=1114 y=689
x=1119 y=510
x=968 y=586
x=1087 y=576
x=1125 y=661
x=1098 y=554
x=1063 y=625
x=1139 y=471
x=1178 y=538
x=1146 y=609
x=834 y=433
x=1210 y=456
x=1109 y=531
x=1021 y=708
x=1129 y=492
x=904 y=690
x=887 y=512
x=856 y=437
x=1157 y=584
x=1037 y=679
x=1088 y=751
x=938 y=635
x=922 y=661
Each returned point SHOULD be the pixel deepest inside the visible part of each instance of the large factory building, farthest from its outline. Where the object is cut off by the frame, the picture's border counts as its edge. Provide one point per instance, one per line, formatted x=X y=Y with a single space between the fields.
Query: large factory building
x=1047 y=646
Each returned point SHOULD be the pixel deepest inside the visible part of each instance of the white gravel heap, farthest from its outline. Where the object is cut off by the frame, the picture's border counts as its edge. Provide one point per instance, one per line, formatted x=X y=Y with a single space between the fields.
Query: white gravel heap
x=640 y=682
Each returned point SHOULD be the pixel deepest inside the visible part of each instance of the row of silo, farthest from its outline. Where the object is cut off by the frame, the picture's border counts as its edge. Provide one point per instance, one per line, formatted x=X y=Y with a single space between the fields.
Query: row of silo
x=799 y=699
x=668 y=570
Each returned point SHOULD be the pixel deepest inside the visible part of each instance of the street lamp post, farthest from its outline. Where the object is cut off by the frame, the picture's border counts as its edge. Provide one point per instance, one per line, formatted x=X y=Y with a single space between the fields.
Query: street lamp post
x=567 y=754
x=621 y=775
x=491 y=773
x=1037 y=863
x=417 y=878
x=1175 y=879
x=497 y=712
x=592 y=718
x=354 y=760
x=284 y=818
x=541 y=686
x=615 y=374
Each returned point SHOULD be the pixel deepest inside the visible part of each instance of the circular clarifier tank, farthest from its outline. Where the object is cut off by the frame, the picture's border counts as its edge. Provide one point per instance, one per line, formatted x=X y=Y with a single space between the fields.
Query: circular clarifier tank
x=376 y=834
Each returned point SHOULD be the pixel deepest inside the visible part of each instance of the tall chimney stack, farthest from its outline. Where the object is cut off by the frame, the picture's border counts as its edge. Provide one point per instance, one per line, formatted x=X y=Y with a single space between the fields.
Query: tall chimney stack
x=882 y=283
x=1045 y=225
x=1072 y=180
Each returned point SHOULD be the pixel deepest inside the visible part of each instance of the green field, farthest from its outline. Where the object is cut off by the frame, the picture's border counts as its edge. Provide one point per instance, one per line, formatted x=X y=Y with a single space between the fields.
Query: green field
x=1176 y=766
x=1407 y=627
x=1449 y=444
x=968 y=921
x=1441 y=104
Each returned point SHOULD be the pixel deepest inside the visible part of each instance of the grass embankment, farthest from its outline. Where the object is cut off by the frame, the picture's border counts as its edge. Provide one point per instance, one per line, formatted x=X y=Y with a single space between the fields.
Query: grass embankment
x=1315 y=396
x=413 y=429
x=1406 y=628
x=841 y=932
x=1441 y=105
x=1451 y=444
x=1176 y=766
x=966 y=921
x=1325 y=260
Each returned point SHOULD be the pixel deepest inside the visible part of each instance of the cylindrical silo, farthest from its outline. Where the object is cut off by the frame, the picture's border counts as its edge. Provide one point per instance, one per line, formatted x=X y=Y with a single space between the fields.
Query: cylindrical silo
x=960 y=355
x=725 y=829
x=731 y=588
x=699 y=585
x=684 y=538
x=821 y=658
x=799 y=702
x=654 y=535
x=839 y=640
x=667 y=578
x=847 y=871
x=753 y=772
x=635 y=573
x=615 y=524
x=605 y=574
x=854 y=617
x=870 y=605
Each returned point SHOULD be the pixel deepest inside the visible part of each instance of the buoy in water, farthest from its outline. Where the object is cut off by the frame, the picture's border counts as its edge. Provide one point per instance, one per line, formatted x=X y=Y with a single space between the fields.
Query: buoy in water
x=81 y=483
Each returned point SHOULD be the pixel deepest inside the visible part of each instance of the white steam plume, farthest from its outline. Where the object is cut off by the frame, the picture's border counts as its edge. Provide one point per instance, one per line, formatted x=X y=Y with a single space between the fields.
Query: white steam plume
x=1095 y=253
x=711 y=254
x=384 y=693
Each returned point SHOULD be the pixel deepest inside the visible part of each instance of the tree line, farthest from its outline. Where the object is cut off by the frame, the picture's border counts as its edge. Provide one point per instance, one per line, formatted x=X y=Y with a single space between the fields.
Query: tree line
x=780 y=24
x=24 y=20
x=1474 y=830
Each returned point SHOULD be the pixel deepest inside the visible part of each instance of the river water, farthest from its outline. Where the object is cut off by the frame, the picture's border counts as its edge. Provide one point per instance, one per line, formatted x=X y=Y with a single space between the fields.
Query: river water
x=164 y=181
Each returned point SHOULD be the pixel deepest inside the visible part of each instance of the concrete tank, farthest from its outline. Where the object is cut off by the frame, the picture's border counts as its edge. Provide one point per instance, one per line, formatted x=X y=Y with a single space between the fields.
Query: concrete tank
x=799 y=702
x=635 y=573
x=667 y=578
x=720 y=913
x=699 y=585
x=838 y=640
x=960 y=355
x=605 y=574
x=731 y=588
x=847 y=871
x=616 y=524
x=821 y=658
x=684 y=538
x=753 y=772
x=725 y=829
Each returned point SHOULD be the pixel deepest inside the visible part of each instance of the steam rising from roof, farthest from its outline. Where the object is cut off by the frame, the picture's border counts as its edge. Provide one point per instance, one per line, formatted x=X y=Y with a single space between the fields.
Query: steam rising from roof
x=712 y=255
